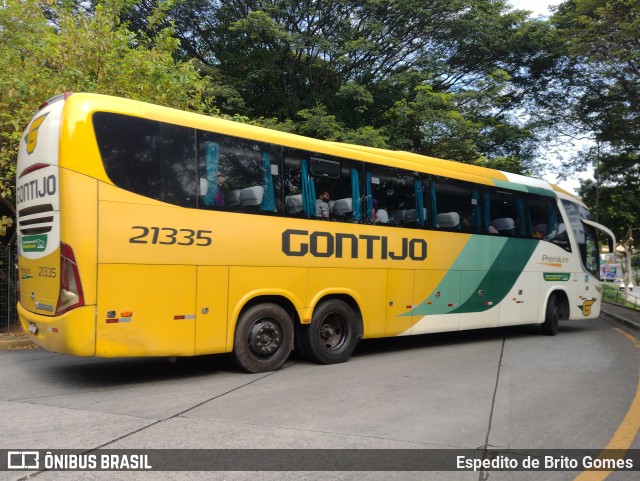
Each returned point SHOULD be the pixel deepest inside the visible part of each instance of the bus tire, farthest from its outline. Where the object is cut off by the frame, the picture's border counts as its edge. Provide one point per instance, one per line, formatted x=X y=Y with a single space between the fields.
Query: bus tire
x=332 y=335
x=552 y=316
x=263 y=339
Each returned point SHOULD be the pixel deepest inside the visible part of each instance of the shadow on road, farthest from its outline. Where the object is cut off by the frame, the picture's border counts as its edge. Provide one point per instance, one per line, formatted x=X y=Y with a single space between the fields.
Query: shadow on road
x=100 y=372
x=375 y=346
x=97 y=372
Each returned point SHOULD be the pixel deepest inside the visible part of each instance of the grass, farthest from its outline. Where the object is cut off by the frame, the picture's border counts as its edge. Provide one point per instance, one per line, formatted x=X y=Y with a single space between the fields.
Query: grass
x=613 y=294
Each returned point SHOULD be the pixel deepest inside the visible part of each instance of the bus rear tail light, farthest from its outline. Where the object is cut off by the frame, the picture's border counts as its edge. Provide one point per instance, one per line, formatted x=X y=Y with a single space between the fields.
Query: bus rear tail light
x=32 y=168
x=71 y=295
x=63 y=96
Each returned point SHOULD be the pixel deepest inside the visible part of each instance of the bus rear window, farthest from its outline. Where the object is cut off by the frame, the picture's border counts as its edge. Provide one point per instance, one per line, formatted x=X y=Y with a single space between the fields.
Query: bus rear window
x=149 y=158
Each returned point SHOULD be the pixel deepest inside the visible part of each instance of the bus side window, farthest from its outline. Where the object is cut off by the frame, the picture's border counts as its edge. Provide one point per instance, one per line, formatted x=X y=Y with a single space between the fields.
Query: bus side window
x=546 y=221
x=455 y=205
x=503 y=213
x=538 y=216
x=237 y=174
x=292 y=188
x=394 y=197
x=306 y=177
x=149 y=158
x=342 y=180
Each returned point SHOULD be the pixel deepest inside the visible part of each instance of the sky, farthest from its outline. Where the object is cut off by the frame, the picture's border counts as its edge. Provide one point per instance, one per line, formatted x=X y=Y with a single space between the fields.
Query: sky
x=537 y=8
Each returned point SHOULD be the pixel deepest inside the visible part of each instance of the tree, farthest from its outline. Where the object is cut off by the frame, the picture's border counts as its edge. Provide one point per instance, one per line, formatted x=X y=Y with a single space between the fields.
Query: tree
x=602 y=96
x=618 y=204
x=605 y=53
x=72 y=49
x=444 y=77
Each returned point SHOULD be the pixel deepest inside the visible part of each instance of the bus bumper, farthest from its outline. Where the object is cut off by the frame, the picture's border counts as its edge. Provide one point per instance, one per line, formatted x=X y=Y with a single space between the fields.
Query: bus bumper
x=73 y=333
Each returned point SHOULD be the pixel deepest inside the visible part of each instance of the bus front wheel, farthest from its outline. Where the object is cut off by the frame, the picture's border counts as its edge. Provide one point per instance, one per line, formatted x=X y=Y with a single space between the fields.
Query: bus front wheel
x=263 y=338
x=552 y=317
x=332 y=335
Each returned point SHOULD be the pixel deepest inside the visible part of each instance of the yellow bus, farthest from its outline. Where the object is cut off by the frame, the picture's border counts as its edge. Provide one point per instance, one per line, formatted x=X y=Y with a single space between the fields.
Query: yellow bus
x=147 y=231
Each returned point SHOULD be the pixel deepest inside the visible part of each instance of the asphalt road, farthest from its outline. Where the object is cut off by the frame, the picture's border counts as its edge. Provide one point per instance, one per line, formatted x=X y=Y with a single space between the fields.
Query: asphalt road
x=495 y=389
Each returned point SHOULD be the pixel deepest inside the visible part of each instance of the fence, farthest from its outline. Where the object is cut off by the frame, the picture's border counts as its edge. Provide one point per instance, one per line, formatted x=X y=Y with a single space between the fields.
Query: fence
x=615 y=295
x=8 y=289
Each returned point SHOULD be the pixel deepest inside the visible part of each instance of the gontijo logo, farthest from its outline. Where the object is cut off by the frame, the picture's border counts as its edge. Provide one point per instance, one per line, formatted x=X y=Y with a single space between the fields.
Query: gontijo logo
x=32 y=135
x=36 y=189
x=299 y=243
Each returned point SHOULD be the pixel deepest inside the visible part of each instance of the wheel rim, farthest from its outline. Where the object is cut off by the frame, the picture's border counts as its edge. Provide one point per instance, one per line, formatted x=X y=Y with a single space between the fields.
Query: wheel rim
x=265 y=338
x=333 y=332
x=557 y=314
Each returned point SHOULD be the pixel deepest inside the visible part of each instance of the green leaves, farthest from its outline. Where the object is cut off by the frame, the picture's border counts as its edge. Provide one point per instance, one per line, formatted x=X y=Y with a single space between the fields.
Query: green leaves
x=602 y=97
x=444 y=77
x=74 y=49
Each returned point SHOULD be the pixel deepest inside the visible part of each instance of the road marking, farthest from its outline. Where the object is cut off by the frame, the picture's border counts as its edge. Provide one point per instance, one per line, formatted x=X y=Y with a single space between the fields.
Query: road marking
x=627 y=430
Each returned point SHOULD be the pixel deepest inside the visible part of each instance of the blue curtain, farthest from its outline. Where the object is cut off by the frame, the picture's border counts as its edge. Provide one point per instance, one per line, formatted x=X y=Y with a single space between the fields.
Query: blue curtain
x=434 y=204
x=312 y=194
x=269 y=198
x=367 y=187
x=212 y=156
x=308 y=191
x=355 y=194
x=419 y=190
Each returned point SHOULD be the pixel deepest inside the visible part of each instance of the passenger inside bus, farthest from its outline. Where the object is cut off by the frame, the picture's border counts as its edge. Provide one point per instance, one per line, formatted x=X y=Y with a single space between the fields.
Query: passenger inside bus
x=382 y=215
x=322 y=205
x=218 y=200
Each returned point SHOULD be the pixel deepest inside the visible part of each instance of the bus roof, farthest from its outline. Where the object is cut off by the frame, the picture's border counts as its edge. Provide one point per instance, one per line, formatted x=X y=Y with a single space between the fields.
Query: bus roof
x=79 y=108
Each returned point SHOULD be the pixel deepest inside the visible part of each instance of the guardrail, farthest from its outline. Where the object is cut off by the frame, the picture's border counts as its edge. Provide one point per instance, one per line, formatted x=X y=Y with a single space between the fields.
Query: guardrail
x=614 y=295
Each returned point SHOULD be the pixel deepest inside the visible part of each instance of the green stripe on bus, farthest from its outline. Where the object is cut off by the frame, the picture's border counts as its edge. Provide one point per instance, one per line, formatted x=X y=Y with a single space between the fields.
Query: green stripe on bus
x=510 y=185
x=500 y=279
x=487 y=265
x=541 y=191
x=478 y=255
x=524 y=188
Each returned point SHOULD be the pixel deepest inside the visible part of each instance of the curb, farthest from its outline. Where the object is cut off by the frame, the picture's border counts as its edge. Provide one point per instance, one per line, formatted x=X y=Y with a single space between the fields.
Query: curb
x=621 y=319
x=13 y=343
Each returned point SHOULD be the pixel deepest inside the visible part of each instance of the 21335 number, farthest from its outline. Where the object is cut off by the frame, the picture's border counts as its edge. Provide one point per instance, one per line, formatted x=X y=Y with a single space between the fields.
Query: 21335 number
x=171 y=236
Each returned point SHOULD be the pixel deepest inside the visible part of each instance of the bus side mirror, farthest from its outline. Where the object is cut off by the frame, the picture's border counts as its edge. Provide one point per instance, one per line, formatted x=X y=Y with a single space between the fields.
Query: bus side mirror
x=611 y=237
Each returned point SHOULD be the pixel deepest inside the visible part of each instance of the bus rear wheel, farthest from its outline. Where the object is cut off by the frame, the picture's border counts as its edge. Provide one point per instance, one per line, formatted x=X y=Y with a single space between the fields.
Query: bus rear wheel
x=553 y=315
x=263 y=338
x=332 y=335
